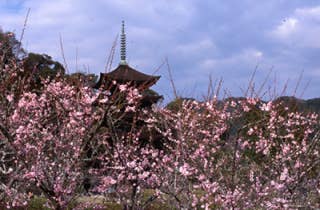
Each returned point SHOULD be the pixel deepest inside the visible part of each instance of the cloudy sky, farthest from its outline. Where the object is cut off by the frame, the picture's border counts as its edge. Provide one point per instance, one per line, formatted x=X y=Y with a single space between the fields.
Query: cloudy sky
x=224 y=39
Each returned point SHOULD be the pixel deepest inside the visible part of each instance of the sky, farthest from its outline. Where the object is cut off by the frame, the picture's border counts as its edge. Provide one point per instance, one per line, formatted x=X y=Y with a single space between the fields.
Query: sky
x=200 y=39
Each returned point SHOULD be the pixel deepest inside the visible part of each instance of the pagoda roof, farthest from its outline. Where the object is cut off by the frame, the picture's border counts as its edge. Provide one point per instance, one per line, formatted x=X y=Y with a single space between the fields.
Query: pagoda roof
x=124 y=73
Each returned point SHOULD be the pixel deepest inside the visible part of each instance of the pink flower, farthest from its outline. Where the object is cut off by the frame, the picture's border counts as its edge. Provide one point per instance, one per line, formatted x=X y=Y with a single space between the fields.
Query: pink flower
x=107 y=181
x=130 y=109
x=266 y=107
x=30 y=175
x=132 y=164
x=233 y=104
x=185 y=169
x=144 y=175
x=252 y=101
x=122 y=88
x=250 y=131
x=9 y=97
x=284 y=174
x=298 y=164
x=246 y=108
x=103 y=101
x=201 y=177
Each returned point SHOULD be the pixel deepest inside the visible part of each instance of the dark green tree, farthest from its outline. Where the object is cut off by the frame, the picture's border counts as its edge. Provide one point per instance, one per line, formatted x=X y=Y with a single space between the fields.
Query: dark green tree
x=10 y=48
x=42 y=65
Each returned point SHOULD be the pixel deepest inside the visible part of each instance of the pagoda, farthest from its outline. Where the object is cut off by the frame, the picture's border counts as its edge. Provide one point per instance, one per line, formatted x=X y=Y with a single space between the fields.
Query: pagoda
x=125 y=74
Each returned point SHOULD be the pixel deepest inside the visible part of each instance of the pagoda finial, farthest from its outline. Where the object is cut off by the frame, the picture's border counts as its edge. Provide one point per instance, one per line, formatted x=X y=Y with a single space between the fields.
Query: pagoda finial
x=123 y=47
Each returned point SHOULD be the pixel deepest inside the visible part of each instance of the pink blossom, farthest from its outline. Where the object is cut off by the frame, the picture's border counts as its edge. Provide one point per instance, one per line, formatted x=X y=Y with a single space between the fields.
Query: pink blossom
x=30 y=175
x=250 y=131
x=9 y=97
x=132 y=164
x=103 y=101
x=266 y=107
x=107 y=181
x=130 y=109
x=123 y=88
x=284 y=174
x=185 y=169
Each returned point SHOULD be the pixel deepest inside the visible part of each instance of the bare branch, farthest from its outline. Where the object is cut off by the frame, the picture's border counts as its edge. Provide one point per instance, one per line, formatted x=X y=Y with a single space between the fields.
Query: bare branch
x=111 y=55
x=298 y=83
x=171 y=79
x=24 y=28
x=250 y=86
x=63 y=56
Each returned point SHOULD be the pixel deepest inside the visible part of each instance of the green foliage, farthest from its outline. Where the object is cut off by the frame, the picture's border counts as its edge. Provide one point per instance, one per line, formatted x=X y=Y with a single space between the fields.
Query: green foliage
x=295 y=104
x=10 y=47
x=37 y=203
x=42 y=65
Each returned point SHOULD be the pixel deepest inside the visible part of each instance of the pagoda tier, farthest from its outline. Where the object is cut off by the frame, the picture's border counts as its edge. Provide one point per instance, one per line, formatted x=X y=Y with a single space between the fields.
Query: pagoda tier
x=124 y=74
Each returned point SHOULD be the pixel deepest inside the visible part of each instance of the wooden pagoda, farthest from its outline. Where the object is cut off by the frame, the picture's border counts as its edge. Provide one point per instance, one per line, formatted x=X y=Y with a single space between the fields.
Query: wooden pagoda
x=125 y=74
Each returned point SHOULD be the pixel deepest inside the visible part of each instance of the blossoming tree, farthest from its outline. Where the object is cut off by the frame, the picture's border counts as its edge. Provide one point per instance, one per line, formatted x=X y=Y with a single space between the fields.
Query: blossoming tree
x=242 y=154
x=49 y=133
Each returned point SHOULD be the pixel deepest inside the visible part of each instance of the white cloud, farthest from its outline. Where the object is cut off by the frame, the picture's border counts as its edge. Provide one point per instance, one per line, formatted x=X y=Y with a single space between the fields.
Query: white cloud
x=286 y=28
x=301 y=29
x=248 y=57
x=198 y=47
x=258 y=54
x=209 y=63
x=309 y=13
x=92 y=27
x=181 y=29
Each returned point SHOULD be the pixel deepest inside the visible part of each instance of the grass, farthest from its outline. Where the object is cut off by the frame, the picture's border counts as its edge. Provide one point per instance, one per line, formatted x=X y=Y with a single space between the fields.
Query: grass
x=38 y=203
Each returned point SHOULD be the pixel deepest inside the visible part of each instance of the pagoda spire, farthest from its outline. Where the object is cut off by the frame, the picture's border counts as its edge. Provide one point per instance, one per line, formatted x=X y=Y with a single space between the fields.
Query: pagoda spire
x=123 y=46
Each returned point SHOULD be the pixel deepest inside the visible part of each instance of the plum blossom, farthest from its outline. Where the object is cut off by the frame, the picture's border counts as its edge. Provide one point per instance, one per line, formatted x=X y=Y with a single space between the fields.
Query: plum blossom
x=185 y=169
x=9 y=97
x=266 y=106
x=123 y=88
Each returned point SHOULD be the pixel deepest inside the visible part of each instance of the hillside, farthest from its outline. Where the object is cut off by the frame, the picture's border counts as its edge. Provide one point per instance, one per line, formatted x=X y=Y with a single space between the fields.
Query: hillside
x=312 y=105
